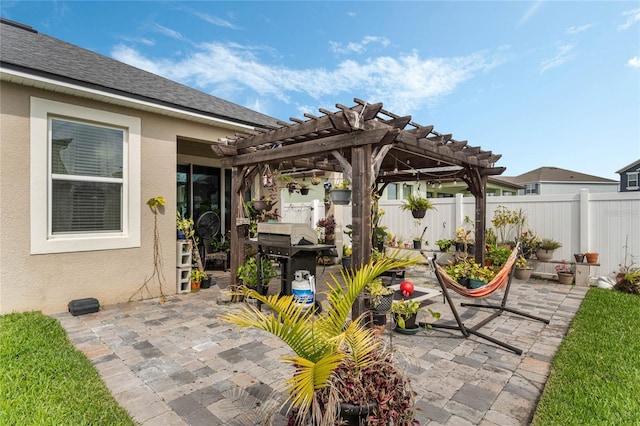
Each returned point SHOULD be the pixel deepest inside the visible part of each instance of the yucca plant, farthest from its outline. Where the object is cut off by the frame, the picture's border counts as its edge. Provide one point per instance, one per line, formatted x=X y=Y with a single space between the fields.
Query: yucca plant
x=321 y=343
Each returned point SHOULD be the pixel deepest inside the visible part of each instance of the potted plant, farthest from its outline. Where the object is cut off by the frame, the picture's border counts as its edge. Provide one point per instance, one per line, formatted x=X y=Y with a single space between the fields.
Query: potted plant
x=405 y=312
x=184 y=226
x=498 y=255
x=304 y=188
x=329 y=225
x=346 y=256
x=417 y=240
x=465 y=237
x=565 y=273
x=336 y=360
x=378 y=295
x=529 y=243
x=466 y=270
x=248 y=272
x=341 y=193
x=417 y=205
x=262 y=204
x=546 y=249
x=523 y=270
x=591 y=257
x=196 y=278
x=444 y=244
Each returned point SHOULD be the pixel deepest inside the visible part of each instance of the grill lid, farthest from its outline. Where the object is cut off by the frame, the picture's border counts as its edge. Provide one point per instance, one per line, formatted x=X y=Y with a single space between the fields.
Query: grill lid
x=292 y=233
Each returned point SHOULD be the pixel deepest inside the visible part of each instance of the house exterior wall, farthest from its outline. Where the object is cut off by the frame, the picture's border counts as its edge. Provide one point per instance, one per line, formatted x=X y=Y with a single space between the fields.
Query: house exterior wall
x=571 y=188
x=47 y=282
x=624 y=179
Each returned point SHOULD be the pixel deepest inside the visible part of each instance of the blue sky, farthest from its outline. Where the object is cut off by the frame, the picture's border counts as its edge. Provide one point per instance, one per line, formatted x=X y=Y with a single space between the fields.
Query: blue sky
x=544 y=83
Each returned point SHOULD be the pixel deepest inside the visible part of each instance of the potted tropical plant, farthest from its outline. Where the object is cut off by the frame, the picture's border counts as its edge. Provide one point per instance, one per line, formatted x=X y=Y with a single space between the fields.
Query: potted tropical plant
x=248 y=272
x=379 y=296
x=405 y=312
x=417 y=205
x=329 y=225
x=523 y=270
x=346 y=256
x=497 y=255
x=184 y=226
x=444 y=244
x=336 y=360
x=529 y=243
x=546 y=248
x=196 y=278
x=341 y=193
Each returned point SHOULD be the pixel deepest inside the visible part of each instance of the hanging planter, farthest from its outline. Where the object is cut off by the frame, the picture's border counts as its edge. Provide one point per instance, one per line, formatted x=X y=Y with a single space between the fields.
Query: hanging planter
x=340 y=197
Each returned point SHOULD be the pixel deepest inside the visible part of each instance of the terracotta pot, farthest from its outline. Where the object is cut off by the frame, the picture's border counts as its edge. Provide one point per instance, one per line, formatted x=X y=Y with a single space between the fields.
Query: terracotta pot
x=195 y=285
x=592 y=257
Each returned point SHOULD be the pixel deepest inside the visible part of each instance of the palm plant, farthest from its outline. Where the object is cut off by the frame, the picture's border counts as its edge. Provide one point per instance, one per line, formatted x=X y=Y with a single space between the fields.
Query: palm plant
x=323 y=342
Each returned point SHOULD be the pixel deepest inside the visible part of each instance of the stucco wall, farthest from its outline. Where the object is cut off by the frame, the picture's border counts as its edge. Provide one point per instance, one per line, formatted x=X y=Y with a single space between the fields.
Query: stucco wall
x=48 y=282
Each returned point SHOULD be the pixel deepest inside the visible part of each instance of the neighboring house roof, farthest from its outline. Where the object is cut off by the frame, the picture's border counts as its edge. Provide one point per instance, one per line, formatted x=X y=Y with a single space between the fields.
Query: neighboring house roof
x=556 y=175
x=500 y=180
x=25 y=50
x=633 y=165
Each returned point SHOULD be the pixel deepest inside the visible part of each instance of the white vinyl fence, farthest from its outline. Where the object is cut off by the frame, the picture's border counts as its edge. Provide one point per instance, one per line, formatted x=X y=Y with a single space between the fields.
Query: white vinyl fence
x=583 y=222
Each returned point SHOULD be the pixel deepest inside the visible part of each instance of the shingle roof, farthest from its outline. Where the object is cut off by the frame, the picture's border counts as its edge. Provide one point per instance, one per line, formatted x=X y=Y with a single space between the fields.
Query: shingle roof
x=556 y=174
x=629 y=166
x=24 y=49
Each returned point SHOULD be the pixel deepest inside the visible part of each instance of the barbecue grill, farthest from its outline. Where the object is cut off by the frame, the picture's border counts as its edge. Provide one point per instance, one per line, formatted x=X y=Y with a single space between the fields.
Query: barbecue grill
x=295 y=246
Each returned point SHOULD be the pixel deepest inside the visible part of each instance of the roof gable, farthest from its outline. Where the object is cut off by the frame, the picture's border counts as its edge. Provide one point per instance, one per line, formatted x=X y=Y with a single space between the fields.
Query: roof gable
x=24 y=49
x=631 y=167
x=558 y=175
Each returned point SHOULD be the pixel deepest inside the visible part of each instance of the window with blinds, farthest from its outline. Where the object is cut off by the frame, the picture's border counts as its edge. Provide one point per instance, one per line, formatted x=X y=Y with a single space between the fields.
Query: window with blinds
x=86 y=177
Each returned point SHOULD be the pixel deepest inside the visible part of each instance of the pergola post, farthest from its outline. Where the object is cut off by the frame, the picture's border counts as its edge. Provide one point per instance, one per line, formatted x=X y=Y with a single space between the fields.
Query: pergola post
x=237 y=222
x=361 y=211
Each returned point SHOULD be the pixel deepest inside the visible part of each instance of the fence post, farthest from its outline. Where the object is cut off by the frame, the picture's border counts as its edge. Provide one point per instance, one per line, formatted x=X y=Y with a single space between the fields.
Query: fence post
x=583 y=220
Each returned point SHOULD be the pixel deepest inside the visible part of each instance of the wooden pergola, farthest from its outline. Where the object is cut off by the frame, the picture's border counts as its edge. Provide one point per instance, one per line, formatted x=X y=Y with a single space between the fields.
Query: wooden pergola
x=372 y=147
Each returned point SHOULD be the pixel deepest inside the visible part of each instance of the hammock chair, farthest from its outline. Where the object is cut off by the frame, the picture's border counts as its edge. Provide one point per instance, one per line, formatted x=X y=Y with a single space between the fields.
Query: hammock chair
x=501 y=280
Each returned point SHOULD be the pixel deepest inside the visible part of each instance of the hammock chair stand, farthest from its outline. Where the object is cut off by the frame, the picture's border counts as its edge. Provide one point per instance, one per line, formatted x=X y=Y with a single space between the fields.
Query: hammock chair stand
x=473 y=330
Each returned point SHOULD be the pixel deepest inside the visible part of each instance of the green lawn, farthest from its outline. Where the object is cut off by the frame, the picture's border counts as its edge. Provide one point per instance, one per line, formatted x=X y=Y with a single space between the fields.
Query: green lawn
x=595 y=376
x=44 y=380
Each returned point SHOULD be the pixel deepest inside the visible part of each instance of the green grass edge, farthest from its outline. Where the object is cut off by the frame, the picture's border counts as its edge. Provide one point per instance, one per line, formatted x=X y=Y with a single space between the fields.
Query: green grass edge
x=45 y=380
x=595 y=374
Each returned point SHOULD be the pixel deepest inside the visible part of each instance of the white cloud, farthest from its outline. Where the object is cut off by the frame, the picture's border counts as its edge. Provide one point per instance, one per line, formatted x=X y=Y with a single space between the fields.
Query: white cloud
x=530 y=12
x=633 y=16
x=234 y=72
x=359 y=47
x=168 y=32
x=634 y=62
x=577 y=30
x=216 y=21
x=562 y=56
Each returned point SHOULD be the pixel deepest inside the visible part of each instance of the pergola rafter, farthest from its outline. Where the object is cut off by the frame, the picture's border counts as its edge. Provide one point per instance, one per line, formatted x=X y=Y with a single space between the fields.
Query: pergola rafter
x=371 y=145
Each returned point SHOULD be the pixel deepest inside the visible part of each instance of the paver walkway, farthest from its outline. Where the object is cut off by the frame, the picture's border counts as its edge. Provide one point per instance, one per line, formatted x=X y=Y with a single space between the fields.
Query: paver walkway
x=176 y=363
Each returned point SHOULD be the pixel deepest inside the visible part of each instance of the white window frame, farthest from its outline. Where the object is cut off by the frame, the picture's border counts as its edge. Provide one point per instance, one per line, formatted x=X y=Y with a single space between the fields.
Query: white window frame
x=635 y=175
x=42 y=239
